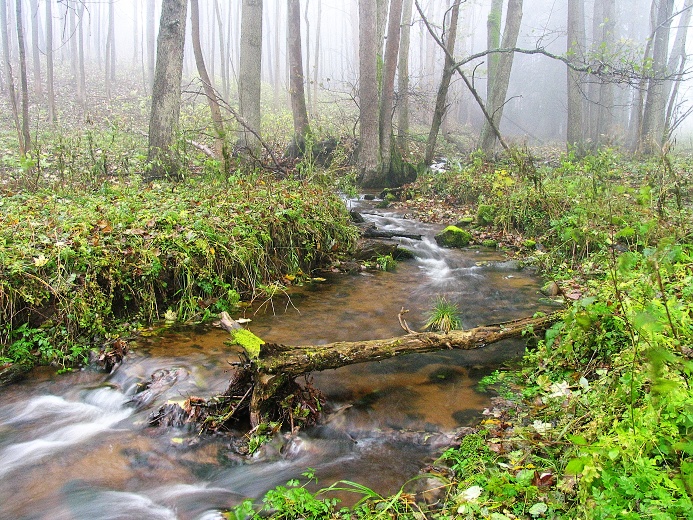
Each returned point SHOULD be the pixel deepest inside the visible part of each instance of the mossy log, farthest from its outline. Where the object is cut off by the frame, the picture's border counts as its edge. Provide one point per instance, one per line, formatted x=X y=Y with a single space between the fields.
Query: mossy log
x=278 y=364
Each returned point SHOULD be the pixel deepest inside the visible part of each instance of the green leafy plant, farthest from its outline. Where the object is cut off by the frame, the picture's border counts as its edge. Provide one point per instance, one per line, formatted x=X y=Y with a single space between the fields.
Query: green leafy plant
x=444 y=317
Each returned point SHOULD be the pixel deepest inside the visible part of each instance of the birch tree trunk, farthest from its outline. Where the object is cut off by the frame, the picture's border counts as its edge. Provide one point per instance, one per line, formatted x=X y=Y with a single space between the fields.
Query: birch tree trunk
x=448 y=71
x=166 y=90
x=501 y=79
x=250 y=73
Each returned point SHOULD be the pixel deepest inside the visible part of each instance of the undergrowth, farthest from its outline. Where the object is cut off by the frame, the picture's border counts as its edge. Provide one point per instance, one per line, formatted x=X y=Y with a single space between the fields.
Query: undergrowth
x=74 y=263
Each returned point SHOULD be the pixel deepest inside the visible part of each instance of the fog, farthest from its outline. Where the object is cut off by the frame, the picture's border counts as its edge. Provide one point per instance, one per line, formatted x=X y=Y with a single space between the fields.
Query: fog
x=535 y=110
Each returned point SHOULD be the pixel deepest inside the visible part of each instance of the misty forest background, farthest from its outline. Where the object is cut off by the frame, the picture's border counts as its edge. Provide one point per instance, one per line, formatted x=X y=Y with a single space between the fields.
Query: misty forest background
x=607 y=73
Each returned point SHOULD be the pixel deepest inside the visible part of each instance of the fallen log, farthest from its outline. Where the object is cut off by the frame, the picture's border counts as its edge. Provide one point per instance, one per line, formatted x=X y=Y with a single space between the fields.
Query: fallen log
x=275 y=365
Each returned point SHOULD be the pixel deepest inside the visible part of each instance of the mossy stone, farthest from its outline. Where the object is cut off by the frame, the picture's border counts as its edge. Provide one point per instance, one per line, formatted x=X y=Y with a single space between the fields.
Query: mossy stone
x=485 y=214
x=452 y=236
x=465 y=221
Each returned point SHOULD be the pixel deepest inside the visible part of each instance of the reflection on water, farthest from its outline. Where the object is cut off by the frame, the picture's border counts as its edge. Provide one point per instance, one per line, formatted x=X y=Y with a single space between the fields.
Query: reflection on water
x=77 y=447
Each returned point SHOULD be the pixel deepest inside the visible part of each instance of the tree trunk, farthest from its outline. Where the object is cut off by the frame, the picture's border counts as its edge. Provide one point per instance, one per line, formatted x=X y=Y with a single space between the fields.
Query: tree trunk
x=23 y=79
x=166 y=90
x=652 y=135
x=388 y=90
x=151 y=41
x=296 y=83
x=493 y=40
x=110 y=42
x=250 y=71
x=403 y=79
x=676 y=67
x=575 y=47
x=9 y=78
x=111 y=31
x=307 y=66
x=277 y=60
x=369 y=145
x=36 y=51
x=502 y=77
x=222 y=51
x=448 y=71
x=81 y=74
x=50 y=84
x=605 y=107
x=316 y=65
x=212 y=100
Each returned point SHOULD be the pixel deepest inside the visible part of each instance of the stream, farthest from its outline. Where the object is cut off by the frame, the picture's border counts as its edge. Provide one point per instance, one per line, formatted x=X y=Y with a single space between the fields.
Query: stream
x=74 y=446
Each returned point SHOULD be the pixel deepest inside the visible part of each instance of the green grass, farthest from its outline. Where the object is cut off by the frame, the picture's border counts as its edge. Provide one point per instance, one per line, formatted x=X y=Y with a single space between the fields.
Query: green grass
x=74 y=264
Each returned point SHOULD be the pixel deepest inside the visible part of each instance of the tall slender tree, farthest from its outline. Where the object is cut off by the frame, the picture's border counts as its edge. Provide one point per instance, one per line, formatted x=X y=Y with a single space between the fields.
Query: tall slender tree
x=166 y=90
x=210 y=93
x=654 y=113
x=575 y=47
x=388 y=88
x=501 y=79
x=23 y=77
x=250 y=73
x=448 y=71
x=369 y=141
x=35 y=48
x=9 y=78
x=403 y=79
x=296 y=77
x=50 y=83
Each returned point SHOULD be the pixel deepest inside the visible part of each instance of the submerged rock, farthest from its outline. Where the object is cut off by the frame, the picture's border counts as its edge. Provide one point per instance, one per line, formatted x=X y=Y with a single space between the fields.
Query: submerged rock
x=452 y=236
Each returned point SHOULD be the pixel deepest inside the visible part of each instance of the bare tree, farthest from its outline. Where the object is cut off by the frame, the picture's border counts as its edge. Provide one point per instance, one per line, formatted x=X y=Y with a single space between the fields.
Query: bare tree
x=493 y=40
x=296 y=82
x=50 y=83
x=36 y=51
x=501 y=78
x=677 y=66
x=403 y=79
x=388 y=89
x=151 y=41
x=166 y=90
x=448 y=71
x=250 y=73
x=9 y=78
x=652 y=133
x=212 y=100
x=24 y=82
x=575 y=46
x=369 y=141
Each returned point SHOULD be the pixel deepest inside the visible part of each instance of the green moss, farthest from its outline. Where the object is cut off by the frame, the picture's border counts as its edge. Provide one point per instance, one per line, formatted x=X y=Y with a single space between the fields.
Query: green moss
x=452 y=236
x=489 y=243
x=465 y=221
x=249 y=341
x=485 y=214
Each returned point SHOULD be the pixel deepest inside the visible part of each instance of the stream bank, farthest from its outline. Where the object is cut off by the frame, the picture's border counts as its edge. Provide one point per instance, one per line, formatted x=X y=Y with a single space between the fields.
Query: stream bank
x=85 y=431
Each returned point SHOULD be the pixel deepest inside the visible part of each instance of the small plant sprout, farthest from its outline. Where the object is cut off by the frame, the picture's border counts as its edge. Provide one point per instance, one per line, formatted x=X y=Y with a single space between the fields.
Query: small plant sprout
x=444 y=317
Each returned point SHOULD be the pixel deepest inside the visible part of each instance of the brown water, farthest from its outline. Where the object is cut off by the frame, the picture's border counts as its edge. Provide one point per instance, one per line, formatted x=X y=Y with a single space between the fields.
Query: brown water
x=74 y=447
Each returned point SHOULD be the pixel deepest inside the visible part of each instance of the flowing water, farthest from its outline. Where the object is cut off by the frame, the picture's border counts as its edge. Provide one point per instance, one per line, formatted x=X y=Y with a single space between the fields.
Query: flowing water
x=76 y=446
